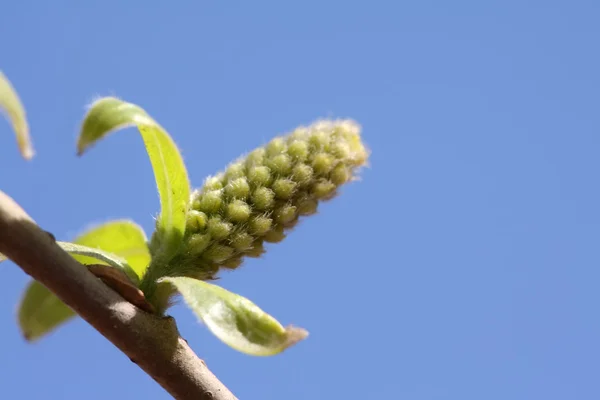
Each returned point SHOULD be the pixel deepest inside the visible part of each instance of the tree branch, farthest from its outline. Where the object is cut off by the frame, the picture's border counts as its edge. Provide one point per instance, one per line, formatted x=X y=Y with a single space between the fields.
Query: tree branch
x=152 y=342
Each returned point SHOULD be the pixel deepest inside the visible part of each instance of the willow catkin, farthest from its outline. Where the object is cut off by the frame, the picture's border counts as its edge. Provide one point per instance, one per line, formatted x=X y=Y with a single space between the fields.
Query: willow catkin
x=261 y=196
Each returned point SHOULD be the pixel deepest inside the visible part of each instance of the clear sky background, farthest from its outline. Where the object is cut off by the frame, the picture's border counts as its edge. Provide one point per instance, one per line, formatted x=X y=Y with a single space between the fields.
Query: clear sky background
x=464 y=265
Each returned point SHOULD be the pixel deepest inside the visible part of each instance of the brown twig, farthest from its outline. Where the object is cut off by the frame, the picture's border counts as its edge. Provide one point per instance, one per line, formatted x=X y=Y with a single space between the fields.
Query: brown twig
x=152 y=342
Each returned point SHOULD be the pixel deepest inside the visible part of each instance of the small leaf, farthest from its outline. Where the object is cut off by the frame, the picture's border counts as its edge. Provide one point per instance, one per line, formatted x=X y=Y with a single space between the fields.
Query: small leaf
x=110 y=259
x=3 y=257
x=110 y=114
x=123 y=238
x=235 y=320
x=40 y=311
x=11 y=105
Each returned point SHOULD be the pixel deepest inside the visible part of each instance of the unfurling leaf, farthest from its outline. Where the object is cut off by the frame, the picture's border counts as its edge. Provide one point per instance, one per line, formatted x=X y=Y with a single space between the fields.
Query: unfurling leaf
x=40 y=311
x=99 y=255
x=11 y=105
x=110 y=114
x=123 y=238
x=235 y=320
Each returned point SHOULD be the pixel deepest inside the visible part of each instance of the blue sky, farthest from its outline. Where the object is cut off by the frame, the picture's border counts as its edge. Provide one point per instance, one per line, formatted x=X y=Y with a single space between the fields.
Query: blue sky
x=464 y=265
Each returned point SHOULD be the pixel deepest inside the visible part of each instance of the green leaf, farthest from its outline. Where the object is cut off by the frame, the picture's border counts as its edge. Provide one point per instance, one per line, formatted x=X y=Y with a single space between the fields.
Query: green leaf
x=123 y=238
x=110 y=114
x=235 y=320
x=40 y=311
x=99 y=255
x=12 y=107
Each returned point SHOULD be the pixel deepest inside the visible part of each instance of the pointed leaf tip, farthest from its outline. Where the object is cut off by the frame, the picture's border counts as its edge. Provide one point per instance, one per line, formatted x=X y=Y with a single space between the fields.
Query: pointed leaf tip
x=11 y=106
x=41 y=312
x=109 y=114
x=235 y=320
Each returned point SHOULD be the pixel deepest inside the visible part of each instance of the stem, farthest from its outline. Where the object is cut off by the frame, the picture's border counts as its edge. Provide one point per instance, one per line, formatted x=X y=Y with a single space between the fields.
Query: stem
x=158 y=295
x=150 y=341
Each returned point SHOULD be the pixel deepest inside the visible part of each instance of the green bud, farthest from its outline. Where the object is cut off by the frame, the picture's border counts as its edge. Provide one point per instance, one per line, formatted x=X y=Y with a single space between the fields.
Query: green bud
x=238 y=188
x=276 y=146
x=197 y=243
x=340 y=174
x=196 y=221
x=302 y=174
x=284 y=188
x=260 y=225
x=300 y=133
x=256 y=157
x=238 y=211
x=219 y=229
x=212 y=183
x=263 y=198
x=307 y=206
x=217 y=253
x=298 y=150
x=241 y=241
x=275 y=235
x=232 y=263
x=341 y=149
x=259 y=175
x=319 y=141
x=234 y=171
x=209 y=202
x=280 y=164
x=285 y=214
x=322 y=189
x=322 y=163
x=256 y=251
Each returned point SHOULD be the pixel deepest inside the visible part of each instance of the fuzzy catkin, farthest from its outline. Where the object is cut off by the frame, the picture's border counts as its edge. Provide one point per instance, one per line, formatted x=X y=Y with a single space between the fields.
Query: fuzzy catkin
x=261 y=196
